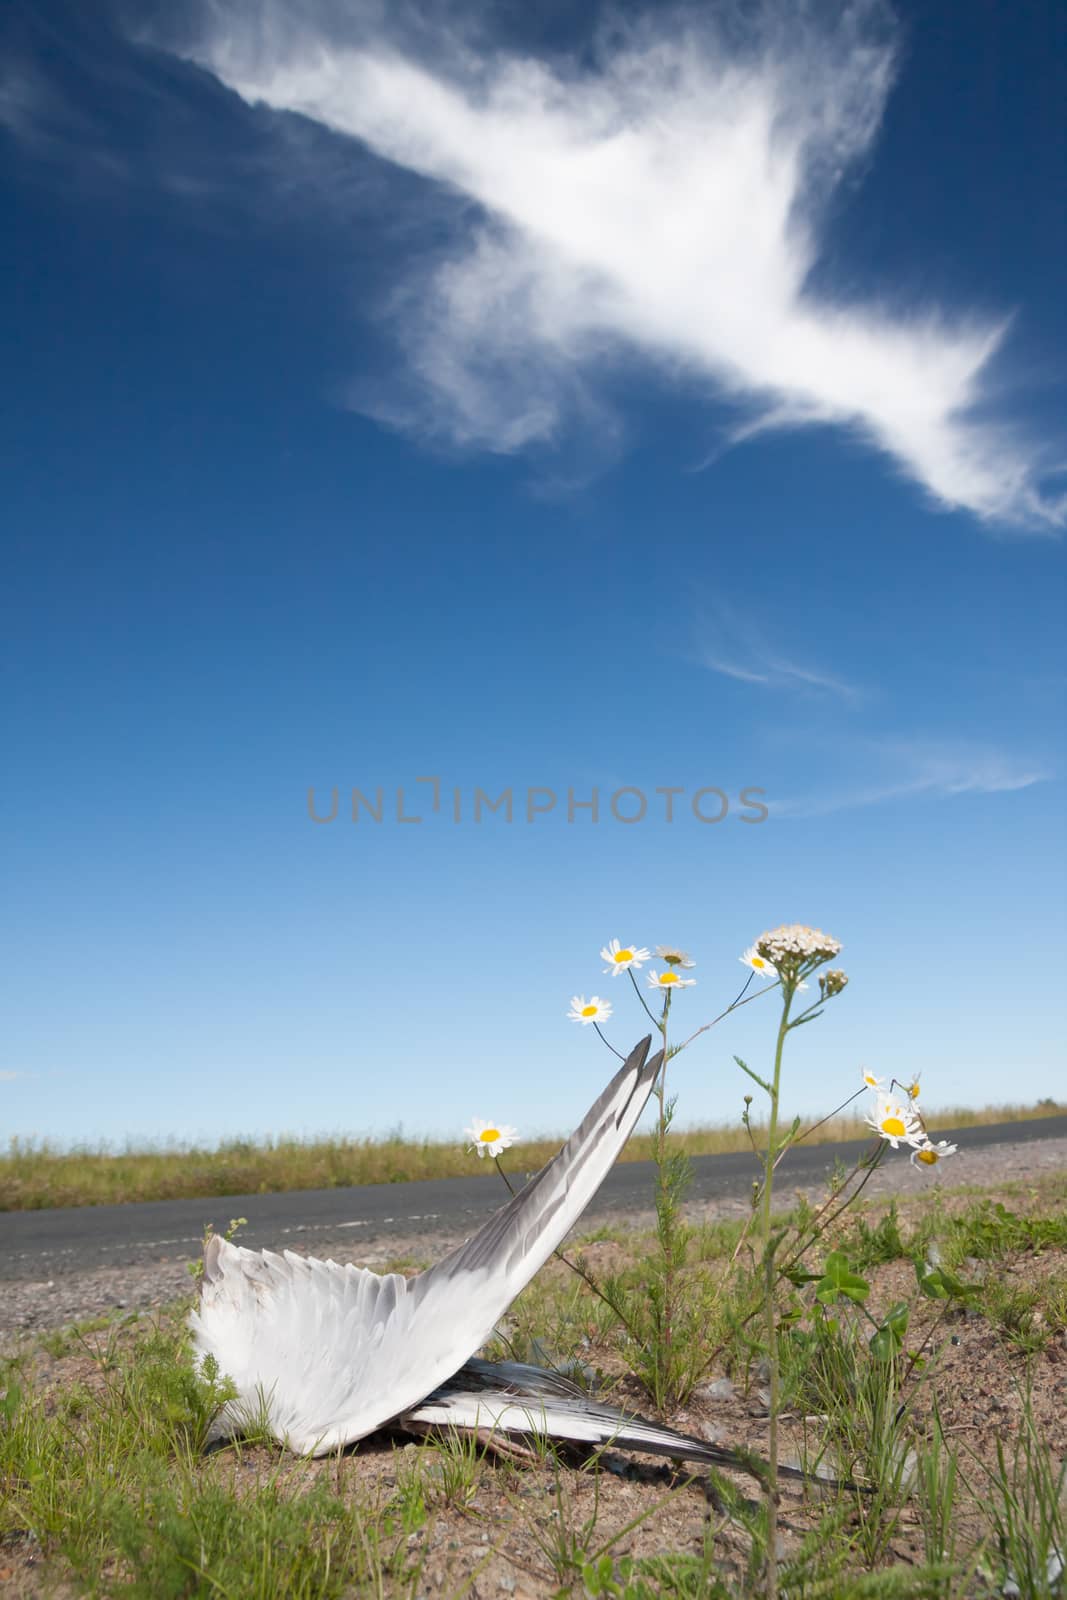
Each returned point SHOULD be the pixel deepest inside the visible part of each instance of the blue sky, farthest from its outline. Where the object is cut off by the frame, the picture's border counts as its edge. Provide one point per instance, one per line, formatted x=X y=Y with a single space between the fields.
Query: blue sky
x=584 y=398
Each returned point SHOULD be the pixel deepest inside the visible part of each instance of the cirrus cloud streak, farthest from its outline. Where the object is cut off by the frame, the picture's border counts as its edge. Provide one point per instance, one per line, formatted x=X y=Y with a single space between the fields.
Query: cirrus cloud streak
x=664 y=199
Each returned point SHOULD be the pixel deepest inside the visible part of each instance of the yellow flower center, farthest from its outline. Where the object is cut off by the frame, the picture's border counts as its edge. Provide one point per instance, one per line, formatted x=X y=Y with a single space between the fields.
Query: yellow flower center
x=624 y=955
x=758 y=962
x=894 y=1126
x=669 y=978
x=870 y=1080
x=590 y=1011
x=913 y=1091
x=489 y=1135
x=931 y=1157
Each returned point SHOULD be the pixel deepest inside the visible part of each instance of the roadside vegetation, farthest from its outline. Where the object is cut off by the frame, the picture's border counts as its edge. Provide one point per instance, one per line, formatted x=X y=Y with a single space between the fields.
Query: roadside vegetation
x=907 y=1361
x=959 y=1438
x=35 y=1174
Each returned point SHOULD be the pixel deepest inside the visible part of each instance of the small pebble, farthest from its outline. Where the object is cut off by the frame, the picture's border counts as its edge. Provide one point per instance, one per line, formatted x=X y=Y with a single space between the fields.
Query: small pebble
x=721 y=1389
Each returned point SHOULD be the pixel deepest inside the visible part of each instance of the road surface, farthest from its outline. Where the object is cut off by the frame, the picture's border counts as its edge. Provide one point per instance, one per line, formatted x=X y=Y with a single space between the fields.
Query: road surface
x=46 y=1244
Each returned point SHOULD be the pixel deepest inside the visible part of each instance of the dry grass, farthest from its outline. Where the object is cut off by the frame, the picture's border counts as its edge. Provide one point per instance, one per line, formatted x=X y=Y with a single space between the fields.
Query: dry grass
x=37 y=1175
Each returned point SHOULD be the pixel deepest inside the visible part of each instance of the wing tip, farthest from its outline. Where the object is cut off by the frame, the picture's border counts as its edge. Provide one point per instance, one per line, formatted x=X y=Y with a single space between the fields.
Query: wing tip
x=219 y=1256
x=214 y=1248
x=645 y=1071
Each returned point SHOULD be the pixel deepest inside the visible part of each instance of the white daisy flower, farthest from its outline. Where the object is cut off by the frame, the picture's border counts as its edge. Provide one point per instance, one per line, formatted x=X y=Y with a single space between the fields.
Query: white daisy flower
x=929 y=1153
x=587 y=1011
x=669 y=980
x=895 y=1122
x=871 y=1081
x=489 y=1140
x=622 y=957
x=673 y=956
x=759 y=964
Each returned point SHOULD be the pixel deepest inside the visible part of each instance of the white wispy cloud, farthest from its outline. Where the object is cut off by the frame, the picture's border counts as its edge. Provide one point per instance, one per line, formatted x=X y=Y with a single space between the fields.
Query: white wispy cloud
x=776 y=672
x=20 y=102
x=663 y=196
x=7 y=1076
x=732 y=643
x=909 y=769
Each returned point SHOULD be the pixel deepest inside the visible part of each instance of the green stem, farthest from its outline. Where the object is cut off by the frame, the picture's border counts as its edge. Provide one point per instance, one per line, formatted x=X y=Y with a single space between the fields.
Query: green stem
x=816 y=1005
x=610 y=1046
x=735 y=1005
x=769 y=1286
x=655 y=1021
x=820 y=1222
x=836 y=1112
x=661 y=1083
x=666 y=1214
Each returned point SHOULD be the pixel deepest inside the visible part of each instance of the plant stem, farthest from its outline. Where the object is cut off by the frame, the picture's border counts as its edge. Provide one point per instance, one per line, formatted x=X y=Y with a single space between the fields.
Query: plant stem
x=655 y=1021
x=836 y=1112
x=661 y=1087
x=666 y=1208
x=611 y=1047
x=818 y=1225
x=769 y=1286
x=735 y=1005
x=916 y=1356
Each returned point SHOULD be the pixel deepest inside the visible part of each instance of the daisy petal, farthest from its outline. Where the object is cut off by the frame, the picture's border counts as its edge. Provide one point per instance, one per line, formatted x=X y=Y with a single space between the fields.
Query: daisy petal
x=759 y=964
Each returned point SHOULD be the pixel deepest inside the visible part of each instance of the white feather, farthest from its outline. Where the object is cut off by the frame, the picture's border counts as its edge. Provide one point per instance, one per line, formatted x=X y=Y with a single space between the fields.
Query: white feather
x=324 y=1354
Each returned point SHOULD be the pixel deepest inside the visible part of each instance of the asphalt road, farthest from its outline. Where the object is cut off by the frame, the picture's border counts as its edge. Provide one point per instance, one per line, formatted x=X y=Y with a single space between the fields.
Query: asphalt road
x=45 y=1244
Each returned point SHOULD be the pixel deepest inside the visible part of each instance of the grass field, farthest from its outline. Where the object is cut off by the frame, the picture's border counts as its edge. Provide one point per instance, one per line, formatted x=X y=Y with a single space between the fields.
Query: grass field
x=959 y=1440
x=38 y=1175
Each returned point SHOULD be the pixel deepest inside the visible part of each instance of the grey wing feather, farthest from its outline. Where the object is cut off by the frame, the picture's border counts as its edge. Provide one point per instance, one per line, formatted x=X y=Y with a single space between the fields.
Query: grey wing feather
x=554 y=1417
x=511 y=1398
x=325 y=1354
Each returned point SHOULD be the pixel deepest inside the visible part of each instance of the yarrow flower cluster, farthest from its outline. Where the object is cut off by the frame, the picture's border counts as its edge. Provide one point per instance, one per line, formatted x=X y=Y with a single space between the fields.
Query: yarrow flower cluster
x=832 y=982
x=795 y=945
x=795 y=949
